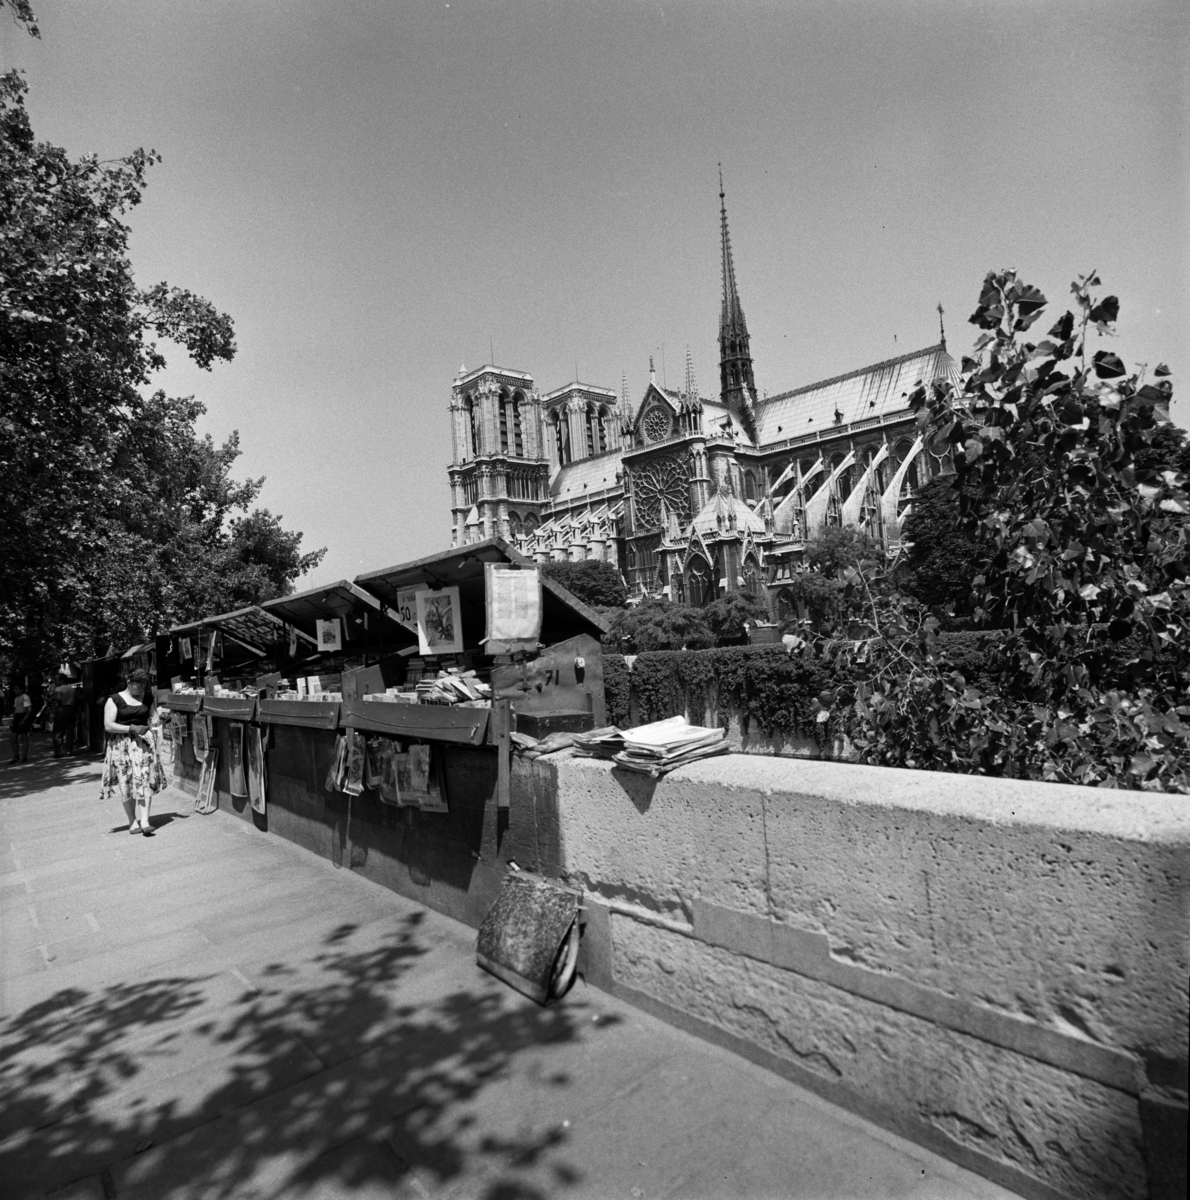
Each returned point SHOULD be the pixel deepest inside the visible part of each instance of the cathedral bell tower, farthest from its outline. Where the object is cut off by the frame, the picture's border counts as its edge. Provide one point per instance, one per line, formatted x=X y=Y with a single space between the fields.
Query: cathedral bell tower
x=737 y=387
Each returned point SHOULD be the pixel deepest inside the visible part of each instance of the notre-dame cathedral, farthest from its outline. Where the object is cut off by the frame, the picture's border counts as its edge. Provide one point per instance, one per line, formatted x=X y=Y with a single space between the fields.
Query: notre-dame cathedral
x=690 y=497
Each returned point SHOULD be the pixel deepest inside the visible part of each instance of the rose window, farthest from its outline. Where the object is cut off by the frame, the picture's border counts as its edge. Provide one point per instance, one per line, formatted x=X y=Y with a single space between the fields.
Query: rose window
x=663 y=479
x=658 y=424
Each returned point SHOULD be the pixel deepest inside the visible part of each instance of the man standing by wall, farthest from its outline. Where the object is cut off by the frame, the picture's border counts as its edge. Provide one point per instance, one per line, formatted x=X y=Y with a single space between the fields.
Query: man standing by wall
x=65 y=716
x=22 y=722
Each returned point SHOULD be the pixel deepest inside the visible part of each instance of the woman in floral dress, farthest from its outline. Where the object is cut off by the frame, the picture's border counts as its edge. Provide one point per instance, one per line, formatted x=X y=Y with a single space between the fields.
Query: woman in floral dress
x=131 y=768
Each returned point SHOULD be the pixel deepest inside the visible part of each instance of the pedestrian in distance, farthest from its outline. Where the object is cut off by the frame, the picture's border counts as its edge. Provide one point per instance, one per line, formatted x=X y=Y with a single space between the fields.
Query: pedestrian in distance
x=65 y=716
x=22 y=722
x=131 y=769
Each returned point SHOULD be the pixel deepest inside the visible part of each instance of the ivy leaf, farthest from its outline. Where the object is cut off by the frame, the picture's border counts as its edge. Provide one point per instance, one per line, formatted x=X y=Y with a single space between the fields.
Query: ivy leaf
x=1108 y=365
x=1107 y=310
x=1064 y=328
x=1161 y=369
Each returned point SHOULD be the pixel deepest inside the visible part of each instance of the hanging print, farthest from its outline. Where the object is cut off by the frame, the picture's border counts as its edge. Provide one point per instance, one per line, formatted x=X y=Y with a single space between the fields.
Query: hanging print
x=330 y=634
x=202 y=736
x=237 y=782
x=439 y=622
x=256 y=770
x=207 y=800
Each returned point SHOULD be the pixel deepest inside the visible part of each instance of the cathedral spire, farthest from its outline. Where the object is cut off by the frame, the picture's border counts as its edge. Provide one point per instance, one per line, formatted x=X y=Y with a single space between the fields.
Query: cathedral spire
x=735 y=356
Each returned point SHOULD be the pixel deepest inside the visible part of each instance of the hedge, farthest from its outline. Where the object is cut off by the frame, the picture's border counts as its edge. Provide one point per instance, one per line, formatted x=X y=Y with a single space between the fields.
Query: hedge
x=771 y=689
x=762 y=683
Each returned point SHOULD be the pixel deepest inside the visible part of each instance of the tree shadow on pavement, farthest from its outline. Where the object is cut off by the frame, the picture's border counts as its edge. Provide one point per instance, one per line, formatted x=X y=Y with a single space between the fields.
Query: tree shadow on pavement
x=43 y=771
x=342 y=1068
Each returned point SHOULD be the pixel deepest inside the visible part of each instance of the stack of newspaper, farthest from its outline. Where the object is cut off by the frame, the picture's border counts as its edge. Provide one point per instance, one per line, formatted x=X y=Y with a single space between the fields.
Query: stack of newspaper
x=658 y=748
x=598 y=743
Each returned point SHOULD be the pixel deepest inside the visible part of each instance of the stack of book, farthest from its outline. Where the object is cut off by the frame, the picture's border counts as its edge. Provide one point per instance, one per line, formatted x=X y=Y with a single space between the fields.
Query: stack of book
x=451 y=688
x=658 y=748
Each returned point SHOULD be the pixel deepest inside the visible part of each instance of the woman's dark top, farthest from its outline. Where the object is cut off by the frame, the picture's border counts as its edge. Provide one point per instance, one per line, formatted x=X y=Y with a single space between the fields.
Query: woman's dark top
x=131 y=714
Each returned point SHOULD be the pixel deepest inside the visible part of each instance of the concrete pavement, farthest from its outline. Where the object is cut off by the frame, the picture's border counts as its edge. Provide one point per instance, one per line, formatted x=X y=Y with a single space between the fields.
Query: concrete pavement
x=214 y=1012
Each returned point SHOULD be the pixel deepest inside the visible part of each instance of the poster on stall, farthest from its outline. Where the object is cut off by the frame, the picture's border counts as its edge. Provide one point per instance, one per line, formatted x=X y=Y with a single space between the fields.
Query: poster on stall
x=419 y=779
x=256 y=770
x=439 y=622
x=202 y=736
x=207 y=801
x=513 y=603
x=184 y=650
x=389 y=791
x=237 y=783
x=356 y=761
x=292 y=642
x=407 y=606
x=330 y=634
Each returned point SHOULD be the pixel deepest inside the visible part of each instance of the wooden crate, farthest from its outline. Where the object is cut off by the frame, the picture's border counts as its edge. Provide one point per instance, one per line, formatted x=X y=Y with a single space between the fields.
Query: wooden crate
x=431 y=722
x=309 y=714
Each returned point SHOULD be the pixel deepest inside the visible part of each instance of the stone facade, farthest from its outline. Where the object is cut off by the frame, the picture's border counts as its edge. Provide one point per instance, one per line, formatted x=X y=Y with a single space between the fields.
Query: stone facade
x=691 y=497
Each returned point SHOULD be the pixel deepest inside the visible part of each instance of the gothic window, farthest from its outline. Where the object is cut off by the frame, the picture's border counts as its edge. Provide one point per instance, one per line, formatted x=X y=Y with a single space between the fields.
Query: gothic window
x=592 y=428
x=469 y=491
x=749 y=486
x=518 y=437
x=939 y=456
x=658 y=424
x=751 y=577
x=660 y=479
x=561 y=438
x=699 y=583
x=514 y=525
x=530 y=525
x=677 y=587
x=472 y=425
x=504 y=403
x=786 y=605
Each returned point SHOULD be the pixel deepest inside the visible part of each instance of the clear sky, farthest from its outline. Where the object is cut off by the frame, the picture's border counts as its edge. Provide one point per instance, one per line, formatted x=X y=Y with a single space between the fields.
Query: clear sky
x=380 y=191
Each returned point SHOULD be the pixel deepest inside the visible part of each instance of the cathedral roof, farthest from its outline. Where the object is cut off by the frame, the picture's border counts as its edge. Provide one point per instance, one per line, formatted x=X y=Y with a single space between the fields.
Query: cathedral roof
x=873 y=391
x=725 y=513
x=584 y=477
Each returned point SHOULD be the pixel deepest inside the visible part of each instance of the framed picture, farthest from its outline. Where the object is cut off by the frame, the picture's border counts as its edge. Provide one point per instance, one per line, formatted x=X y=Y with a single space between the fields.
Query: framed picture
x=206 y=800
x=439 y=622
x=330 y=634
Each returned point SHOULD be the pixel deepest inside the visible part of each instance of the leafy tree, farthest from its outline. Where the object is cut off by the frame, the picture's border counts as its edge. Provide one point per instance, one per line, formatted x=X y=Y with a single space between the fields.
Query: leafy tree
x=1074 y=541
x=656 y=624
x=112 y=505
x=937 y=567
x=728 y=614
x=836 y=548
x=598 y=584
x=817 y=588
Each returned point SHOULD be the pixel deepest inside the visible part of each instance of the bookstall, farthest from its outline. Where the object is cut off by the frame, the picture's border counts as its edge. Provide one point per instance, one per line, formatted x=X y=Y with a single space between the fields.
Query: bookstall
x=404 y=770
x=216 y=669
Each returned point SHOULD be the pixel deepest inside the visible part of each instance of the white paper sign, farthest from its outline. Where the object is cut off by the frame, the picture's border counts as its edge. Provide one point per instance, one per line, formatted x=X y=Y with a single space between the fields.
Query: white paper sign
x=513 y=603
x=407 y=607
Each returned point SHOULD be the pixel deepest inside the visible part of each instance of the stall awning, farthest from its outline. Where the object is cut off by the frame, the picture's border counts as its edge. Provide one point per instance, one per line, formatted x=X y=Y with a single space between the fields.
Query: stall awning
x=563 y=614
x=345 y=601
x=251 y=627
x=133 y=651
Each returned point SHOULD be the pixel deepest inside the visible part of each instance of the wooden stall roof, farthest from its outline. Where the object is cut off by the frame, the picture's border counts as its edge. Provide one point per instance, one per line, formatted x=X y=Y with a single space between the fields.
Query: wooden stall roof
x=564 y=615
x=341 y=599
x=251 y=627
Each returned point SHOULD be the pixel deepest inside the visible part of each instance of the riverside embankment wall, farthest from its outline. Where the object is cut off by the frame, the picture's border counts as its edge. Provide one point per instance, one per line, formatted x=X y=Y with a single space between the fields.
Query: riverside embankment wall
x=995 y=969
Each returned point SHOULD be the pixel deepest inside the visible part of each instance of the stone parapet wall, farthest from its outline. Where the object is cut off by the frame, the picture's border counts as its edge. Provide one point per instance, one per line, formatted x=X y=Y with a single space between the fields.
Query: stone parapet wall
x=997 y=969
